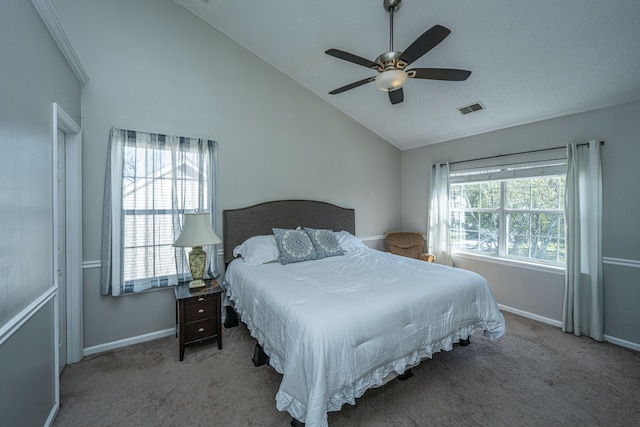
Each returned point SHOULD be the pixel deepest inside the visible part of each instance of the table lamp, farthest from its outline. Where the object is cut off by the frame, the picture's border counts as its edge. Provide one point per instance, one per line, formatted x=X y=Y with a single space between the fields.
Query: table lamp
x=196 y=233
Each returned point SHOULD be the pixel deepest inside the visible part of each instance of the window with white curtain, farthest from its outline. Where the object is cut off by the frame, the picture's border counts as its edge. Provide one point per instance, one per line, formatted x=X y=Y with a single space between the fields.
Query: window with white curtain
x=152 y=181
x=510 y=211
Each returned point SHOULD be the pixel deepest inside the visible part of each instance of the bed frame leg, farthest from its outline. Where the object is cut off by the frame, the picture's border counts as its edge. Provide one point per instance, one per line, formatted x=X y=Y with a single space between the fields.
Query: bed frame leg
x=259 y=356
x=464 y=343
x=407 y=374
x=296 y=423
x=230 y=318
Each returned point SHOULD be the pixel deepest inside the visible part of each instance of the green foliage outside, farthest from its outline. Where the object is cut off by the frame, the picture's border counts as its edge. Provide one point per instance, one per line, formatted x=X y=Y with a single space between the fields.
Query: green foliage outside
x=533 y=217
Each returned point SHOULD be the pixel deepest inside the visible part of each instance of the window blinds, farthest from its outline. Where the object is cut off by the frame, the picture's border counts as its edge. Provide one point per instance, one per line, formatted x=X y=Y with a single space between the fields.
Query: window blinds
x=522 y=165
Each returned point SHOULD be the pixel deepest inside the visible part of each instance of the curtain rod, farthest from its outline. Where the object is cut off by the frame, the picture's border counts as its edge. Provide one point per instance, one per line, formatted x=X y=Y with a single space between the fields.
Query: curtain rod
x=514 y=154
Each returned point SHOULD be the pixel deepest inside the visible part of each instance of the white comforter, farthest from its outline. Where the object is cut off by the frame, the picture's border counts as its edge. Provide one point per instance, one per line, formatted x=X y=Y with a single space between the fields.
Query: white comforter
x=337 y=326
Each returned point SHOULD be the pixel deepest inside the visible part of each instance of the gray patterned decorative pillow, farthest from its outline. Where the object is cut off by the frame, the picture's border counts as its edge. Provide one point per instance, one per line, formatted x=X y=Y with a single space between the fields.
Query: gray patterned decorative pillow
x=324 y=242
x=294 y=246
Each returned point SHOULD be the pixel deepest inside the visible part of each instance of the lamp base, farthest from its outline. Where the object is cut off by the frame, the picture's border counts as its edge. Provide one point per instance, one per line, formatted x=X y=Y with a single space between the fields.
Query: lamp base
x=197 y=261
x=196 y=284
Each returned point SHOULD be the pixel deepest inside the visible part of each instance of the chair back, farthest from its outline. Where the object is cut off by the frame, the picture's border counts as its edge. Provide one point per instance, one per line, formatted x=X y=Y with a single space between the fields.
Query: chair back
x=405 y=243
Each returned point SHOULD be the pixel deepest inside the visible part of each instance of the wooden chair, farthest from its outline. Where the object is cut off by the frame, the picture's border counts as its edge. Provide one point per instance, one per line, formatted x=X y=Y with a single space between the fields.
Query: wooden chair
x=407 y=243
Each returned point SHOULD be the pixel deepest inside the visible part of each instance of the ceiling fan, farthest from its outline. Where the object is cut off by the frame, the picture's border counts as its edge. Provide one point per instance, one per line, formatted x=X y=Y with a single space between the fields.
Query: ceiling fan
x=391 y=65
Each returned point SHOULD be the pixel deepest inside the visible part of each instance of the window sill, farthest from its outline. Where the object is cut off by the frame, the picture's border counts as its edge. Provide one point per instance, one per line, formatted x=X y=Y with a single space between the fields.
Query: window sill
x=511 y=263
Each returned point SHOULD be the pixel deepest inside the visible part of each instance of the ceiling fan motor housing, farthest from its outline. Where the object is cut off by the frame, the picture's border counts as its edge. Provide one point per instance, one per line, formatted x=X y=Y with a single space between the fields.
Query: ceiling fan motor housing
x=390 y=61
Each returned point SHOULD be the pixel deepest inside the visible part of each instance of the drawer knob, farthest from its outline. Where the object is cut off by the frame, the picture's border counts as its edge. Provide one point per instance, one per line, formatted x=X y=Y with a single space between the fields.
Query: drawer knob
x=201 y=330
x=200 y=299
x=201 y=311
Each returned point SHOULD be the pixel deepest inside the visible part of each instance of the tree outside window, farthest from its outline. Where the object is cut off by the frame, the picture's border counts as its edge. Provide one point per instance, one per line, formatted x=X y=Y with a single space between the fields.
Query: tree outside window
x=516 y=218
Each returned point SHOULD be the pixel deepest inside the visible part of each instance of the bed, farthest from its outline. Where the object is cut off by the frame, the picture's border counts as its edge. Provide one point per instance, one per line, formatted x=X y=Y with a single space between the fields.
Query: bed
x=337 y=326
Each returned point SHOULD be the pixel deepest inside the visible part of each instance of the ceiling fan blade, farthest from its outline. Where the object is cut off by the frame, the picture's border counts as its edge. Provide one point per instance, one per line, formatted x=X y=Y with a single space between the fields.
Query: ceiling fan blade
x=396 y=96
x=423 y=44
x=352 y=85
x=346 y=56
x=439 y=74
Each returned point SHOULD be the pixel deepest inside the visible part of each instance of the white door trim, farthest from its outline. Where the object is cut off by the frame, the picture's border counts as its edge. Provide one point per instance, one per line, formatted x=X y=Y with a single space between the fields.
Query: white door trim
x=73 y=183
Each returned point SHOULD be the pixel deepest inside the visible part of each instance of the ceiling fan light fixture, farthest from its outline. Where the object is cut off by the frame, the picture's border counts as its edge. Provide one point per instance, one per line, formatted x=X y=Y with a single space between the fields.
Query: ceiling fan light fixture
x=391 y=80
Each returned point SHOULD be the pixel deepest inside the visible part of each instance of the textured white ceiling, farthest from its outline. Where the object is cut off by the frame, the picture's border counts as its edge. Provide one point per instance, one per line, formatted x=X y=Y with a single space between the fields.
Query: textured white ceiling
x=530 y=60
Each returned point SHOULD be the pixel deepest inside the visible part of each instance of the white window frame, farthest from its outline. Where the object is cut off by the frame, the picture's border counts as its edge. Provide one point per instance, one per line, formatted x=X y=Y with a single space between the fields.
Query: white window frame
x=496 y=169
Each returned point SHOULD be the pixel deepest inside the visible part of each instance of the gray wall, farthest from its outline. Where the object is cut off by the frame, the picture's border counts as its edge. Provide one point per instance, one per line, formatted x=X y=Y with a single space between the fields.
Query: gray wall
x=155 y=67
x=33 y=75
x=540 y=293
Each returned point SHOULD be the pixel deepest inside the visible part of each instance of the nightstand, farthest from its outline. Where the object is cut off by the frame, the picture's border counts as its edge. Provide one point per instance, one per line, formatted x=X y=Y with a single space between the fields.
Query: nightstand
x=199 y=313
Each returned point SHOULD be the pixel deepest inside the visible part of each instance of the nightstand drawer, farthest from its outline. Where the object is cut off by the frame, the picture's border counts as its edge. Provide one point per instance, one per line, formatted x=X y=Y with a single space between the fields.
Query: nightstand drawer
x=200 y=298
x=200 y=330
x=198 y=310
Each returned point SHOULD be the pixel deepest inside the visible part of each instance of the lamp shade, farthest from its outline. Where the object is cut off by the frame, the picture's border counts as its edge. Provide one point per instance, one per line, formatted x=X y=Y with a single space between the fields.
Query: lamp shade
x=391 y=80
x=197 y=231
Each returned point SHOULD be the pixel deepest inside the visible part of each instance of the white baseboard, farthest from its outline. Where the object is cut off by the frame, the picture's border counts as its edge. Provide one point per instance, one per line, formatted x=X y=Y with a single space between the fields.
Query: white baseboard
x=52 y=415
x=622 y=343
x=532 y=316
x=558 y=324
x=128 y=341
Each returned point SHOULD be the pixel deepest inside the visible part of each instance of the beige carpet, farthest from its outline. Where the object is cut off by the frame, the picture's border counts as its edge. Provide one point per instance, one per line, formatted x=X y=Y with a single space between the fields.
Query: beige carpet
x=535 y=375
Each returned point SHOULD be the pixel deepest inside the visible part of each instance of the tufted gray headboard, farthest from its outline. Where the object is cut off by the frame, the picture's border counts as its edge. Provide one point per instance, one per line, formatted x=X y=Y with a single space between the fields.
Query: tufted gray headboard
x=240 y=224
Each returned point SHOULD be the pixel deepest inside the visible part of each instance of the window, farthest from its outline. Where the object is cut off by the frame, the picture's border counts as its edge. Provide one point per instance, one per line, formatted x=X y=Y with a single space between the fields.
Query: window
x=149 y=180
x=153 y=179
x=512 y=212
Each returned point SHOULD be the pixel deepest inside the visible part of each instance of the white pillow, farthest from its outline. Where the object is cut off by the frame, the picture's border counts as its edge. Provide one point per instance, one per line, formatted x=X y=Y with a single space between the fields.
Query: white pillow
x=258 y=250
x=348 y=242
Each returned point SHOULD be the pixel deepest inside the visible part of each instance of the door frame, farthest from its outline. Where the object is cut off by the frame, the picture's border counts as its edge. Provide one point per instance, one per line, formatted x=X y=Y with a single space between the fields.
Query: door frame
x=73 y=185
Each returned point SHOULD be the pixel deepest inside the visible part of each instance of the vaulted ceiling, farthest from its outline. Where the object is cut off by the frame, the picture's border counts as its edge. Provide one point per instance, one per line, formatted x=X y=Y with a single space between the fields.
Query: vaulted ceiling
x=529 y=60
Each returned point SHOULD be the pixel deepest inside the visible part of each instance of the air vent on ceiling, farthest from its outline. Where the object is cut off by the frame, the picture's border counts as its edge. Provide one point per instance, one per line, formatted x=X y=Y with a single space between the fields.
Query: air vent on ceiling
x=471 y=108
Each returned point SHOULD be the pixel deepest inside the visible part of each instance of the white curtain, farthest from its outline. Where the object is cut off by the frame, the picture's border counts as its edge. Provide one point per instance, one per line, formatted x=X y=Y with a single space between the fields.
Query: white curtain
x=439 y=216
x=151 y=181
x=583 y=310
